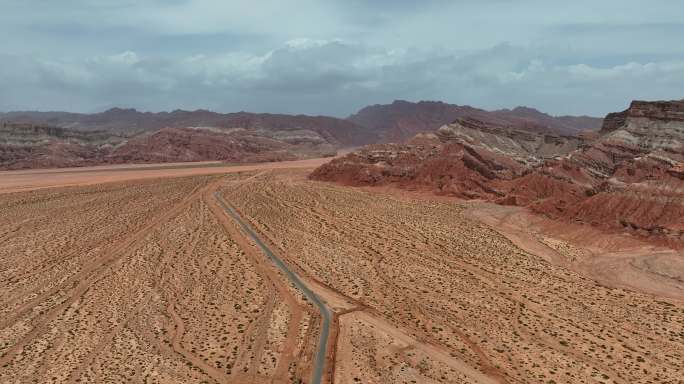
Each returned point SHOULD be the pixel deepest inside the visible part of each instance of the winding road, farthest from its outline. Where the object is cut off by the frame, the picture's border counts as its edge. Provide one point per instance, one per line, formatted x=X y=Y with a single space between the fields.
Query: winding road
x=319 y=358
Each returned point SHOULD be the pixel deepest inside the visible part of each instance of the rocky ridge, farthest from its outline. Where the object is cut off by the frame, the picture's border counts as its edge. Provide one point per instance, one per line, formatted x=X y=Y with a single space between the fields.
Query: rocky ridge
x=627 y=177
x=130 y=122
x=401 y=120
x=24 y=146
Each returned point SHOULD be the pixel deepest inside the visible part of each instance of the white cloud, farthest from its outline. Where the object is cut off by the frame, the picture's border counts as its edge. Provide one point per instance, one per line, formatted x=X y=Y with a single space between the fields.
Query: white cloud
x=335 y=77
x=127 y=58
x=334 y=56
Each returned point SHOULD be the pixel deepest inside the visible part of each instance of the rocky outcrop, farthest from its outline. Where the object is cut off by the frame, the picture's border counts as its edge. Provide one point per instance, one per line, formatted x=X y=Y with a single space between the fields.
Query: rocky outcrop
x=665 y=111
x=462 y=158
x=444 y=168
x=629 y=177
x=184 y=144
x=524 y=146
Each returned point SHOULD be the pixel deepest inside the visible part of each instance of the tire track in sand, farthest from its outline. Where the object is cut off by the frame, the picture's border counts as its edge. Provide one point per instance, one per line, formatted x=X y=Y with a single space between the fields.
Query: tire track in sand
x=326 y=313
x=91 y=274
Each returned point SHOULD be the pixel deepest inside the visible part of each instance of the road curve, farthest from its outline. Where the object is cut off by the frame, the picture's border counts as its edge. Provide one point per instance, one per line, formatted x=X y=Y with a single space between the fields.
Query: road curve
x=319 y=358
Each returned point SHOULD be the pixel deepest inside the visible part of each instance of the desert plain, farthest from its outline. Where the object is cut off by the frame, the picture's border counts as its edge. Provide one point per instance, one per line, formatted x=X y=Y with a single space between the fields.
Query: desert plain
x=138 y=274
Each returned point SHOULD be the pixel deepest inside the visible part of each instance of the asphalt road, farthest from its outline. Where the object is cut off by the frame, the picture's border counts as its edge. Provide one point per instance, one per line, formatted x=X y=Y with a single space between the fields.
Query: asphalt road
x=319 y=359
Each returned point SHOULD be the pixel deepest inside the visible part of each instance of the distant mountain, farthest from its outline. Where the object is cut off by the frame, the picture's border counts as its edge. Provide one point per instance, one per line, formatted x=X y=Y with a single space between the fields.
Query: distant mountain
x=24 y=145
x=402 y=120
x=57 y=139
x=130 y=122
x=629 y=176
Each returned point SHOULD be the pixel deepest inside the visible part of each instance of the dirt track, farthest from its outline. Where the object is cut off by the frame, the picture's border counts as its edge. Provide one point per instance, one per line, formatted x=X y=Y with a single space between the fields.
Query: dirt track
x=142 y=281
x=434 y=296
x=320 y=357
x=149 y=280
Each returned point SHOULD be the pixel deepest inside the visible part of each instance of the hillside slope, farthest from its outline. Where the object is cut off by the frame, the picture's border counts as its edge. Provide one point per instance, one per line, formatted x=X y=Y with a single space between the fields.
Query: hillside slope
x=630 y=177
x=24 y=146
x=338 y=132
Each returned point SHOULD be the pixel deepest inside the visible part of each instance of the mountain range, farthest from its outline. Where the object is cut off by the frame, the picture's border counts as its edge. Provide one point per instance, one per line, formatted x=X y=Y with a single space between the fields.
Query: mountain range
x=30 y=139
x=623 y=172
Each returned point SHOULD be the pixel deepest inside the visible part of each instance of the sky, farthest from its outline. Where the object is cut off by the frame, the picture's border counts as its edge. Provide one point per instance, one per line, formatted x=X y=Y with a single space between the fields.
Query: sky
x=332 y=57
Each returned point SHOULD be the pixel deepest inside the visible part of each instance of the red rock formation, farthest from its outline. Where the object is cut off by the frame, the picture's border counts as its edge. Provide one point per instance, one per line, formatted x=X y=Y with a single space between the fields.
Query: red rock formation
x=28 y=146
x=652 y=110
x=629 y=178
x=341 y=133
x=461 y=159
x=173 y=145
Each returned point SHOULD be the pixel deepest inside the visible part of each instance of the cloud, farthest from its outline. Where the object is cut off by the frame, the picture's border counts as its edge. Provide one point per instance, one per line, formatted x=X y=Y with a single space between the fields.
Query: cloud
x=334 y=56
x=335 y=77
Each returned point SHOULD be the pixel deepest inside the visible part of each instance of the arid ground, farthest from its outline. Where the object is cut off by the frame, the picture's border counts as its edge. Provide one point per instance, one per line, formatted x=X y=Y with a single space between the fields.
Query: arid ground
x=139 y=275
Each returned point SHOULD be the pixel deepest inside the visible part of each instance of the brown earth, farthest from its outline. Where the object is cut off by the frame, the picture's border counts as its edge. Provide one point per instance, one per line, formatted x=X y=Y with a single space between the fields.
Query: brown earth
x=438 y=297
x=145 y=282
x=27 y=180
x=613 y=260
x=149 y=281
